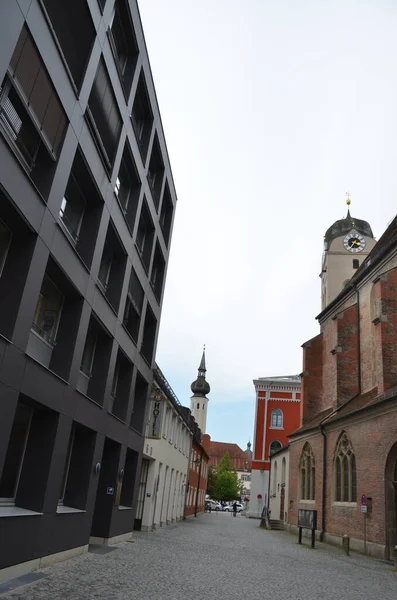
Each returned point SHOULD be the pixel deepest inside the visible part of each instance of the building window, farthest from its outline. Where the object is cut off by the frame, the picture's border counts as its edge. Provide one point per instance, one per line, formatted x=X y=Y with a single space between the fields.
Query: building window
x=66 y=468
x=157 y=273
x=277 y=418
x=145 y=236
x=103 y=116
x=127 y=187
x=15 y=454
x=81 y=209
x=112 y=268
x=48 y=311
x=198 y=405
x=5 y=242
x=307 y=473
x=133 y=307
x=95 y=362
x=123 y=43
x=121 y=386
x=356 y=263
x=345 y=474
x=140 y=400
x=106 y=264
x=155 y=172
x=142 y=117
x=274 y=446
x=72 y=209
x=31 y=114
x=166 y=213
x=77 y=468
x=89 y=351
x=75 y=32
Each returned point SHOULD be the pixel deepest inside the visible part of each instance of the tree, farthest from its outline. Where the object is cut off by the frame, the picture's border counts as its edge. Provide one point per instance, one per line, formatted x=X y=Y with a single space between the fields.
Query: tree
x=223 y=481
x=211 y=482
x=227 y=486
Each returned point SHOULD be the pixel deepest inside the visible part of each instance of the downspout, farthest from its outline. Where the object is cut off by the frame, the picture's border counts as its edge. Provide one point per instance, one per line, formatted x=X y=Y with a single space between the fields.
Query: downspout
x=198 y=484
x=322 y=424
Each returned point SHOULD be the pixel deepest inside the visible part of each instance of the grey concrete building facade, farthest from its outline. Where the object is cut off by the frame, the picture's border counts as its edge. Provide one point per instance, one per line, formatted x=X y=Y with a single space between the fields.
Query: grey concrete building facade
x=87 y=202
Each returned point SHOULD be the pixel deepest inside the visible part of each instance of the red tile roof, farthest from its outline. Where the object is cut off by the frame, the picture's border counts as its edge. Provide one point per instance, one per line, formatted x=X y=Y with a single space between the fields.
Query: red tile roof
x=239 y=459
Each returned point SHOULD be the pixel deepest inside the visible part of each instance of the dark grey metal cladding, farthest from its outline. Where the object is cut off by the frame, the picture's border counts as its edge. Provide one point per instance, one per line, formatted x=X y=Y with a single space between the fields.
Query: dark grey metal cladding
x=69 y=426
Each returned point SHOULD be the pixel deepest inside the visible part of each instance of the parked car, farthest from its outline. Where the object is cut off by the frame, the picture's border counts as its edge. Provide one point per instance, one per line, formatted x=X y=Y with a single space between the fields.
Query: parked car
x=214 y=504
x=229 y=507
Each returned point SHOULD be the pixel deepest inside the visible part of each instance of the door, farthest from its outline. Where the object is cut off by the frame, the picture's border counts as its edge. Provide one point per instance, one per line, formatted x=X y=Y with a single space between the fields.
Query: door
x=282 y=501
x=141 y=494
x=391 y=502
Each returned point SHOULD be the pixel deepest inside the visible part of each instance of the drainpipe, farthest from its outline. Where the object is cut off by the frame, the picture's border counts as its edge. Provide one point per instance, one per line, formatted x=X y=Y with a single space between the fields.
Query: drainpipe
x=198 y=484
x=322 y=424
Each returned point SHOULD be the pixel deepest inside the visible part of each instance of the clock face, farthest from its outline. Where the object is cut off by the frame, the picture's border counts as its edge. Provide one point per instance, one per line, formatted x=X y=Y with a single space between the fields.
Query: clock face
x=354 y=242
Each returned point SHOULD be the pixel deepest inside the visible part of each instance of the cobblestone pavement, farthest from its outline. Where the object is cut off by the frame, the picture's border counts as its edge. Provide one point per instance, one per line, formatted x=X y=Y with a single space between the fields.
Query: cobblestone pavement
x=214 y=557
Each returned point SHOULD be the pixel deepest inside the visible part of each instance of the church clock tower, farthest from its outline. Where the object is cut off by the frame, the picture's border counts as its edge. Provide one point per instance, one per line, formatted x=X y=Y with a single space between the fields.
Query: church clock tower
x=346 y=244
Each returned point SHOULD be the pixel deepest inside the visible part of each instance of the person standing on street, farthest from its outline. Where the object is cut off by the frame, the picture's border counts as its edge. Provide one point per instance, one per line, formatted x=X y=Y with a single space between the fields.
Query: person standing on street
x=234 y=508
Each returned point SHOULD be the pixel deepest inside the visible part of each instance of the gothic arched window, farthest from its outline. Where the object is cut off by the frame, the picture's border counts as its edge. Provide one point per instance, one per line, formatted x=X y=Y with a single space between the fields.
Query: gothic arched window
x=307 y=473
x=345 y=473
x=277 y=418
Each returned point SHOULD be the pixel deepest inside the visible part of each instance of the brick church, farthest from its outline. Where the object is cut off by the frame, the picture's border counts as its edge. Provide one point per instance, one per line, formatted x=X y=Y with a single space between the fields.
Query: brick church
x=346 y=446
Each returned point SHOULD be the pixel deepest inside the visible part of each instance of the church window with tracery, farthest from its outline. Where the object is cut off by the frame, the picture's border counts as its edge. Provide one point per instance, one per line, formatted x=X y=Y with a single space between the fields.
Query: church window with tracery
x=307 y=473
x=345 y=473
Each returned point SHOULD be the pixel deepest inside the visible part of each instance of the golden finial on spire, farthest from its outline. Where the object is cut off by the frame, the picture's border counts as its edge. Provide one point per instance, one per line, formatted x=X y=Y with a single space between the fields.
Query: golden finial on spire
x=348 y=200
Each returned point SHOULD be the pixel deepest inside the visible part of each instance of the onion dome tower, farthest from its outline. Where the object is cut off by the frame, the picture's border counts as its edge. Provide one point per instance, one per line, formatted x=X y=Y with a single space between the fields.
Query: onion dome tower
x=199 y=401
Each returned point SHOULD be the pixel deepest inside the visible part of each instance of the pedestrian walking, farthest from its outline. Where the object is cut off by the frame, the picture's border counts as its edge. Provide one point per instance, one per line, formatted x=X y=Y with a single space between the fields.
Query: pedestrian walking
x=234 y=508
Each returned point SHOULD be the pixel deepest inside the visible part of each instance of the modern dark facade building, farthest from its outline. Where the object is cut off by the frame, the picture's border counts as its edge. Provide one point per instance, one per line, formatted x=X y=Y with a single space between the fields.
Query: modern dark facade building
x=87 y=203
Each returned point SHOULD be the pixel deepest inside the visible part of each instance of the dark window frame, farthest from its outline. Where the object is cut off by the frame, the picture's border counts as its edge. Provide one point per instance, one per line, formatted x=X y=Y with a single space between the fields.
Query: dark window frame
x=122 y=26
x=10 y=500
x=107 y=148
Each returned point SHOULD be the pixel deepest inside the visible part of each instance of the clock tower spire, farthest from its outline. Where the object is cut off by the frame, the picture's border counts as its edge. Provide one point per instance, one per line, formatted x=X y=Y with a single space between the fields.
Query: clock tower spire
x=346 y=244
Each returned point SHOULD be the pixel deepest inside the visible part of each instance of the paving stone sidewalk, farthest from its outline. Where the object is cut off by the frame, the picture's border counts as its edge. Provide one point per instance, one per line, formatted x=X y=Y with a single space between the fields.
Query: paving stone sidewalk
x=214 y=557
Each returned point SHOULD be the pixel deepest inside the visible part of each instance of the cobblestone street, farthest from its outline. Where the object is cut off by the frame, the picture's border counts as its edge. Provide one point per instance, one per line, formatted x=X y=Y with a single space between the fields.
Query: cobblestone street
x=214 y=557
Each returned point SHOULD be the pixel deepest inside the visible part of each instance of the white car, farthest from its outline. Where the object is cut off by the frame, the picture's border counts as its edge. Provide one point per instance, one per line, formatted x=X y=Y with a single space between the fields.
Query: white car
x=214 y=504
x=229 y=507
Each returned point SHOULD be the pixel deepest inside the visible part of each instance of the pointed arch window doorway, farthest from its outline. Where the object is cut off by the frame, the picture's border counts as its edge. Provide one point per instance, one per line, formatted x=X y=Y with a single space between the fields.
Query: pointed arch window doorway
x=345 y=472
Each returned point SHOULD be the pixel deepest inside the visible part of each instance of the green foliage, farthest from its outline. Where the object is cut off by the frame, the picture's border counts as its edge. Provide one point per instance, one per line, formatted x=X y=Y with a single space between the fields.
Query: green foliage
x=211 y=482
x=225 y=464
x=223 y=481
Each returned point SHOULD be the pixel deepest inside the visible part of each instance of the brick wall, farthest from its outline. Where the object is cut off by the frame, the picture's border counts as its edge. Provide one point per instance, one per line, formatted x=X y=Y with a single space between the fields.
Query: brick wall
x=346 y=352
x=312 y=381
x=372 y=441
x=386 y=330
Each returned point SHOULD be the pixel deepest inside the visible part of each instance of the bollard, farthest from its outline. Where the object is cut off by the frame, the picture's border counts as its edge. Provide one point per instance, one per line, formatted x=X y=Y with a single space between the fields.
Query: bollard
x=395 y=556
x=346 y=544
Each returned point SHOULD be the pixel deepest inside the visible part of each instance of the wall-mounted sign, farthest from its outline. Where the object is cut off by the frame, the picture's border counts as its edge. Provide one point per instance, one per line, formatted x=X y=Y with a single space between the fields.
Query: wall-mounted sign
x=110 y=491
x=155 y=418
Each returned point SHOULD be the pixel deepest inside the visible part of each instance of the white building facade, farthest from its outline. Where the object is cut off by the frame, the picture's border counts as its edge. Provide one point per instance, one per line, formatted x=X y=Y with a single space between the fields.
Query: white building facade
x=166 y=457
x=277 y=415
x=278 y=491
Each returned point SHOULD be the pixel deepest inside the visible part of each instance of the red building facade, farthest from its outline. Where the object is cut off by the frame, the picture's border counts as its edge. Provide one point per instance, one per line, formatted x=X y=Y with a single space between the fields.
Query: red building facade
x=198 y=475
x=277 y=415
x=345 y=451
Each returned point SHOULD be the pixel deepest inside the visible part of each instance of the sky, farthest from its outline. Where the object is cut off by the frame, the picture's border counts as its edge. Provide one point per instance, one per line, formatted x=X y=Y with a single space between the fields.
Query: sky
x=272 y=110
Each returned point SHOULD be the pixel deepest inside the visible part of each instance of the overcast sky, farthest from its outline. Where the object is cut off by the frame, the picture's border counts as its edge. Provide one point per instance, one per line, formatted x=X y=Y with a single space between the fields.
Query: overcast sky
x=272 y=109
